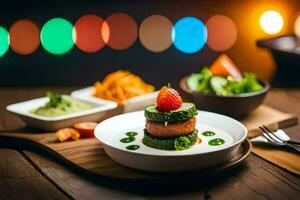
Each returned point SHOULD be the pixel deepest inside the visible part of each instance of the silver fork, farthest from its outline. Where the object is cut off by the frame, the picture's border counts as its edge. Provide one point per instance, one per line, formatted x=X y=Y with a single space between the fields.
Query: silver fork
x=290 y=141
x=275 y=140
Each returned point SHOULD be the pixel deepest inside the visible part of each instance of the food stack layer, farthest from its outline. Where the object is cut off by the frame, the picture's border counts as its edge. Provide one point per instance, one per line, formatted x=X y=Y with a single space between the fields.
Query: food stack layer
x=171 y=130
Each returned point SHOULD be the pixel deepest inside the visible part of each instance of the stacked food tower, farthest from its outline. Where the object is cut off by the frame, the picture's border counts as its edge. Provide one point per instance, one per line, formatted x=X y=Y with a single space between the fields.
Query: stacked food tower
x=170 y=124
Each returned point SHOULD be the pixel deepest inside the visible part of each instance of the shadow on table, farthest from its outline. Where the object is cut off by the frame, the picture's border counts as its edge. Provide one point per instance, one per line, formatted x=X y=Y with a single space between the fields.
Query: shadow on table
x=25 y=129
x=179 y=183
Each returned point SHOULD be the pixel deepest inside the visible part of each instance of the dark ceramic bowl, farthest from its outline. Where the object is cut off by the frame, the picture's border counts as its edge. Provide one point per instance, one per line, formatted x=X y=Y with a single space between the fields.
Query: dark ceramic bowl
x=238 y=105
x=286 y=53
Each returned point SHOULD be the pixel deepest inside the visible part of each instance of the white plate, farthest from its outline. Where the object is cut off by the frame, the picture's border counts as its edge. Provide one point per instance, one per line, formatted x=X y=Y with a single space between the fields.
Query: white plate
x=23 y=109
x=199 y=156
x=132 y=104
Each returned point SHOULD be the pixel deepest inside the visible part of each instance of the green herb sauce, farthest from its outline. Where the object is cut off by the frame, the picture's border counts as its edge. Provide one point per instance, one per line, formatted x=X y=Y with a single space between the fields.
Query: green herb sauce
x=127 y=139
x=216 y=142
x=131 y=134
x=133 y=147
x=208 y=133
x=58 y=105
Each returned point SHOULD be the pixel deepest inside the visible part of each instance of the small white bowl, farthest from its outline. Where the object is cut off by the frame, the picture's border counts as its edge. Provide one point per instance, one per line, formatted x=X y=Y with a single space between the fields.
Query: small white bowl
x=130 y=105
x=198 y=157
x=23 y=109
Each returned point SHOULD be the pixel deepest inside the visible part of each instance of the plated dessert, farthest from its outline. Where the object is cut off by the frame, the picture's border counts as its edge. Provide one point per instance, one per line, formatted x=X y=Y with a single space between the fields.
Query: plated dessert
x=173 y=137
x=170 y=123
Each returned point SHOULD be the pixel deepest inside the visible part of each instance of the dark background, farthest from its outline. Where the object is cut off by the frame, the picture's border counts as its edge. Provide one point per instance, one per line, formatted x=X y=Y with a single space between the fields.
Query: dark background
x=80 y=68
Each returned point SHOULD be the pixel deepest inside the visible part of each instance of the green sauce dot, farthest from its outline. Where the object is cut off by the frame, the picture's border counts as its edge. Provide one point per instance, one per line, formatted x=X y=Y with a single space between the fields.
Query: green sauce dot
x=216 y=142
x=127 y=139
x=133 y=147
x=208 y=133
x=131 y=133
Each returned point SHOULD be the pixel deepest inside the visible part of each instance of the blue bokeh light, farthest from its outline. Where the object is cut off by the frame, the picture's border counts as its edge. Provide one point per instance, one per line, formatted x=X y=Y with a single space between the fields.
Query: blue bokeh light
x=189 y=34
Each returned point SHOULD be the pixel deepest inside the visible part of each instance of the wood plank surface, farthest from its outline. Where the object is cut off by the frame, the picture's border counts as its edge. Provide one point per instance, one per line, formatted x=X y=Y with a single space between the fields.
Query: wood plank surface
x=286 y=100
x=75 y=184
x=259 y=181
x=19 y=179
x=256 y=179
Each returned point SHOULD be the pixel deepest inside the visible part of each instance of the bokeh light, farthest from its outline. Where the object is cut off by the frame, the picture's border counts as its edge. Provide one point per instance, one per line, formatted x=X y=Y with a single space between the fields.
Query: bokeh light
x=4 y=41
x=297 y=26
x=189 y=34
x=271 y=22
x=222 y=33
x=24 y=37
x=156 y=33
x=119 y=31
x=56 y=36
x=87 y=33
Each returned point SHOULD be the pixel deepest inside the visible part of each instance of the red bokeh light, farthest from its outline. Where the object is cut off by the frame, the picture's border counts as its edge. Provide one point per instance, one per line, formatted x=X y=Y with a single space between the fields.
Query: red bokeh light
x=222 y=33
x=24 y=37
x=87 y=33
x=119 y=31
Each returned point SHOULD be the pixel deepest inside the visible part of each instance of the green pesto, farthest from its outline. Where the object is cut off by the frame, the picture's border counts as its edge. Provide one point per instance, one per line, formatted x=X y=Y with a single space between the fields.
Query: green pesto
x=216 y=142
x=208 y=133
x=133 y=147
x=127 y=139
x=131 y=134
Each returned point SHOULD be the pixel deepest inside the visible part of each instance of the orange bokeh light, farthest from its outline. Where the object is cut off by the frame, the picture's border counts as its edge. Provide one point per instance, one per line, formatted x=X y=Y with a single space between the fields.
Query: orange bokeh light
x=156 y=33
x=119 y=31
x=24 y=37
x=87 y=33
x=222 y=33
x=297 y=27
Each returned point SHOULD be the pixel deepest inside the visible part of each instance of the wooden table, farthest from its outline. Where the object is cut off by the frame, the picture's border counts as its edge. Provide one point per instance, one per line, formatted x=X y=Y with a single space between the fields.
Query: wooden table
x=27 y=175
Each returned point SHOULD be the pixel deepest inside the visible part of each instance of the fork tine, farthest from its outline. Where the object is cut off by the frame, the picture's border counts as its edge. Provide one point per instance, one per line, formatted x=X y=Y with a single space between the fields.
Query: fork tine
x=273 y=134
x=265 y=135
x=261 y=128
x=268 y=137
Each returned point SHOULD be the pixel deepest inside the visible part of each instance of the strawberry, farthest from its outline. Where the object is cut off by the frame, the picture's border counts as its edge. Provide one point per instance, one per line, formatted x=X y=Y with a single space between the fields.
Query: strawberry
x=168 y=99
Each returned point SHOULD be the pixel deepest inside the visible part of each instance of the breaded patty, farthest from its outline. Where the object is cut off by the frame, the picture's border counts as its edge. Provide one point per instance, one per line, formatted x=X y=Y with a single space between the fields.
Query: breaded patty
x=157 y=129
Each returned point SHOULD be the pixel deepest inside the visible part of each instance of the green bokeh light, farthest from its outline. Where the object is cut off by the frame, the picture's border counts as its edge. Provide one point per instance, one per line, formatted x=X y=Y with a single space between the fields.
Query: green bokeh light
x=56 y=36
x=4 y=41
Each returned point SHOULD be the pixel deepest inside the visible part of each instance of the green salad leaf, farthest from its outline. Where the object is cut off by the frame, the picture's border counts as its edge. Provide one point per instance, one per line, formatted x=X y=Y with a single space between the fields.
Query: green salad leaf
x=205 y=82
x=200 y=81
x=248 y=84
x=182 y=143
x=219 y=84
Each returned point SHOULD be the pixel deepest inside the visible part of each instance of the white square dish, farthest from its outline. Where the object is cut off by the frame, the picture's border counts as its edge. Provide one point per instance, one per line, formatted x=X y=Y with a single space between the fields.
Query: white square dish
x=130 y=105
x=95 y=114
